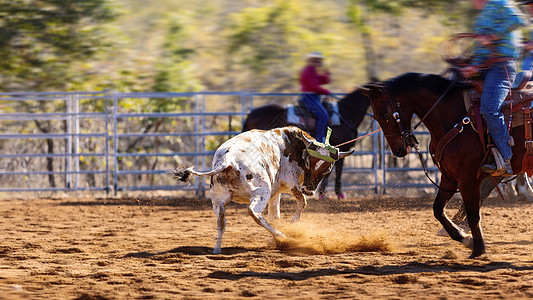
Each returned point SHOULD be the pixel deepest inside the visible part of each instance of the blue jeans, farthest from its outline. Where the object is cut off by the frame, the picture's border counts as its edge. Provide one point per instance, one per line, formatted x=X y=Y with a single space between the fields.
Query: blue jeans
x=312 y=101
x=527 y=63
x=498 y=80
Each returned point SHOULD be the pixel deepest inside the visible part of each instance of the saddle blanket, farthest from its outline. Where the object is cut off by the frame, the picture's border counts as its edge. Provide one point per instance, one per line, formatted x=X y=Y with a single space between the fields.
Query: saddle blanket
x=293 y=118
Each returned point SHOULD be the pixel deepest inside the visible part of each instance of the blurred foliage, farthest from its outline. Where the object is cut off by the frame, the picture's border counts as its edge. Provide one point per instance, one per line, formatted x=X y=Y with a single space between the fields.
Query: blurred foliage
x=43 y=44
x=222 y=45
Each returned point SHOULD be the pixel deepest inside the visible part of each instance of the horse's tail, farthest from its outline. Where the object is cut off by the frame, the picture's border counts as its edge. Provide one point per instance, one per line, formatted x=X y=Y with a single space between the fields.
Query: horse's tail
x=185 y=174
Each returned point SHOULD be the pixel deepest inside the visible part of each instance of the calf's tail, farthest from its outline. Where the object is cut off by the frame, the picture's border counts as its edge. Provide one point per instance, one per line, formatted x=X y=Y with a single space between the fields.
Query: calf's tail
x=185 y=174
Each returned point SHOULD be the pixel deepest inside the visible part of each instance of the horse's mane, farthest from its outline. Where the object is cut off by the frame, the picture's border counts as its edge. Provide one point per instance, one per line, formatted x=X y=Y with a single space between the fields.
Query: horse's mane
x=410 y=81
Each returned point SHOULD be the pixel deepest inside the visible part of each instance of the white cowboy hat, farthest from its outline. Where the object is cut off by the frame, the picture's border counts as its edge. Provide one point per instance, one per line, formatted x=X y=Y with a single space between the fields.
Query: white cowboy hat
x=315 y=54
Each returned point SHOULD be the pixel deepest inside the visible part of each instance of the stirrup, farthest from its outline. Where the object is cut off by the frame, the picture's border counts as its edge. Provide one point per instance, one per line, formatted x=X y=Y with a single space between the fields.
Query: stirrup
x=501 y=167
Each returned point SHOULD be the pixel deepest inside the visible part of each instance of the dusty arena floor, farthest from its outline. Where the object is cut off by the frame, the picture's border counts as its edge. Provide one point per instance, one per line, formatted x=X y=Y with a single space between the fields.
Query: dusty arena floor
x=159 y=248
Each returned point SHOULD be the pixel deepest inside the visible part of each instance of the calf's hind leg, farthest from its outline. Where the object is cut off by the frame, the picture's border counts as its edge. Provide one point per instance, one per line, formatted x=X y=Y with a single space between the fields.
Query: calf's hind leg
x=219 y=207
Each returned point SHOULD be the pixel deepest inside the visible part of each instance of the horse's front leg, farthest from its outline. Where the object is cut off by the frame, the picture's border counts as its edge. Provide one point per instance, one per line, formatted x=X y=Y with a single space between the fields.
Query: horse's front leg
x=471 y=198
x=443 y=196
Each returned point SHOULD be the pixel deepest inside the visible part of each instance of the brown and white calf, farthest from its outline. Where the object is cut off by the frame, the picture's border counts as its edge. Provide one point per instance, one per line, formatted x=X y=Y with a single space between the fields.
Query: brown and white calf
x=256 y=166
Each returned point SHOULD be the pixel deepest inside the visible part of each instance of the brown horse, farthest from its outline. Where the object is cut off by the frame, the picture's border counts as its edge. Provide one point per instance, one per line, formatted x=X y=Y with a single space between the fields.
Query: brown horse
x=395 y=101
x=352 y=109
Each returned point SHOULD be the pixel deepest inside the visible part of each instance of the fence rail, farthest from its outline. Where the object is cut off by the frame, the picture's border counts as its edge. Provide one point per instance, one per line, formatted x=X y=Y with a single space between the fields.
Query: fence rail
x=119 y=141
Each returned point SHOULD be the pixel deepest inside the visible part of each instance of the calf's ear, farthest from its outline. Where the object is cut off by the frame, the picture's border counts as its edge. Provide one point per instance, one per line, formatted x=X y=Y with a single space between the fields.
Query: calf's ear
x=305 y=138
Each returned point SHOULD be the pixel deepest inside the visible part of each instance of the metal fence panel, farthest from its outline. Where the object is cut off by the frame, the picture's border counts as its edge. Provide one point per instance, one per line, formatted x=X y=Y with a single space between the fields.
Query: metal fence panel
x=121 y=141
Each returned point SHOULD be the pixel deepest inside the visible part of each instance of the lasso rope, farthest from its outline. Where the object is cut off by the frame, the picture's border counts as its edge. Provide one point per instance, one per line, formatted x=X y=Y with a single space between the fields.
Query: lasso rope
x=356 y=139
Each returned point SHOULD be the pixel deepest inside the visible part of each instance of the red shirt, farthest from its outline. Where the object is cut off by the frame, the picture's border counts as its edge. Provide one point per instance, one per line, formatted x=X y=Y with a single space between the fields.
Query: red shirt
x=311 y=81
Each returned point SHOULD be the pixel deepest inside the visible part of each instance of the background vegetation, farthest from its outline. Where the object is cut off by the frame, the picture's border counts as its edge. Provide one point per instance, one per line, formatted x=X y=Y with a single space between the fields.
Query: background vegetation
x=216 y=45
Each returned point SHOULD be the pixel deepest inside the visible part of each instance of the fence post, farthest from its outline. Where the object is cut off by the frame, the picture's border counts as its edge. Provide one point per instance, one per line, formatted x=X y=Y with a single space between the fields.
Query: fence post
x=375 y=156
x=68 y=146
x=197 y=141
x=107 y=140
x=383 y=165
x=76 y=140
x=115 y=143
x=202 y=143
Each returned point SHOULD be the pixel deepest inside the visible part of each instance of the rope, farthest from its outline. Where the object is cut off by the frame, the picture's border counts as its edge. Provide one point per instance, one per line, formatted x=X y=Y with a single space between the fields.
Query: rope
x=356 y=139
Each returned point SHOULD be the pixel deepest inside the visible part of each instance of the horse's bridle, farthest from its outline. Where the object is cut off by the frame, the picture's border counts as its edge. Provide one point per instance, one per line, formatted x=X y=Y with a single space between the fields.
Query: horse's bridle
x=406 y=134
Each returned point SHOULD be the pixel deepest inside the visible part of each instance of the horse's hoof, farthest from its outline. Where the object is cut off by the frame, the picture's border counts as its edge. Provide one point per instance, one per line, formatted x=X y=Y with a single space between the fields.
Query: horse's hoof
x=468 y=241
x=476 y=254
x=321 y=196
x=340 y=196
x=217 y=251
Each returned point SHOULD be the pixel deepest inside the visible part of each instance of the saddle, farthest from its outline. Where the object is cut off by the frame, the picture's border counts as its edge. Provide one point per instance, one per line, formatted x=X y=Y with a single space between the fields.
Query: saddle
x=516 y=109
x=309 y=119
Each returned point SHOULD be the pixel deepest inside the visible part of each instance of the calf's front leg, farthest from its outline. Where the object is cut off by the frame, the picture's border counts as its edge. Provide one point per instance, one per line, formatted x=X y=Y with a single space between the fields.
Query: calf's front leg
x=258 y=203
x=301 y=202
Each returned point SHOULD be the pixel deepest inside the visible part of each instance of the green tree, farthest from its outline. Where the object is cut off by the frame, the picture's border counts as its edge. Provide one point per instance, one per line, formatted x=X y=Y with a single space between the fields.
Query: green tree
x=361 y=13
x=41 y=45
x=267 y=43
x=41 y=42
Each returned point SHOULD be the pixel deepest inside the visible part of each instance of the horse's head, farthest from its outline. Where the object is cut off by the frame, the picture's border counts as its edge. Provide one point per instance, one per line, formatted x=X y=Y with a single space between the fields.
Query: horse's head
x=393 y=115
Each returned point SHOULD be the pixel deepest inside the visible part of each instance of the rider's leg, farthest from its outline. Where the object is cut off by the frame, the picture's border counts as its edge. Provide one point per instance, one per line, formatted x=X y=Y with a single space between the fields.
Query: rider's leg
x=498 y=80
x=312 y=101
x=527 y=63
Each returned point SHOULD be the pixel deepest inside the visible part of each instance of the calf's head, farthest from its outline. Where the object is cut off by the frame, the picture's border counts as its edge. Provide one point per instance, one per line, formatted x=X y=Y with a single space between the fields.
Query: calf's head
x=318 y=160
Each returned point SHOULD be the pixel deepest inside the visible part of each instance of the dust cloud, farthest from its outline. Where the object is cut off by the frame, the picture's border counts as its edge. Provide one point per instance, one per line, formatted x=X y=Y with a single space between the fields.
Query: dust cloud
x=308 y=237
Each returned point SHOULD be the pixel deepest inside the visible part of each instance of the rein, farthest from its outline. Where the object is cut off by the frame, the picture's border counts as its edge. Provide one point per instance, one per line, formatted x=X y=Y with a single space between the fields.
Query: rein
x=410 y=138
x=435 y=104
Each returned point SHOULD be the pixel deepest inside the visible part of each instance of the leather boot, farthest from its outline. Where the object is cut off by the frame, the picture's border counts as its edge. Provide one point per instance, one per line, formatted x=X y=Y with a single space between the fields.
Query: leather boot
x=508 y=168
x=491 y=168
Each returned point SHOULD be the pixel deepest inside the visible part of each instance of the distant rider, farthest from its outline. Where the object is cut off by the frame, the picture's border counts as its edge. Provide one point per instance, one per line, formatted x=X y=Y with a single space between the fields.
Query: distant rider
x=311 y=78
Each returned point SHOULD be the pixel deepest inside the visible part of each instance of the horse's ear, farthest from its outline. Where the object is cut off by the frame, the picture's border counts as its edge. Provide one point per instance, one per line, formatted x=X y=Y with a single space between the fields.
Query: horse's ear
x=370 y=89
x=364 y=90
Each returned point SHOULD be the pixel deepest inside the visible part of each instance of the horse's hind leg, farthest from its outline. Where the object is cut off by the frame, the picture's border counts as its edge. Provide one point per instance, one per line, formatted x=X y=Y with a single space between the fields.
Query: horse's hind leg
x=338 y=178
x=443 y=196
x=323 y=186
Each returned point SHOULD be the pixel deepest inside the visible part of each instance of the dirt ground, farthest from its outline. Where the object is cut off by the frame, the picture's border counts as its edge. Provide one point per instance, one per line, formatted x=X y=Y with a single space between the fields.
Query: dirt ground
x=159 y=248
